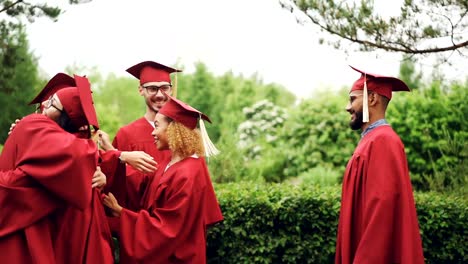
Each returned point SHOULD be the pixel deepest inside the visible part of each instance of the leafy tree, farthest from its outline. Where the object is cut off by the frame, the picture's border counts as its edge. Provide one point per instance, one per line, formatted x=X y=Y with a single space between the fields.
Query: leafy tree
x=316 y=136
x=409 y=74
x=263 y=120
x=117 y=102
x=432 y=124
x=417 y=30
x=22 y=8
x=18 y=76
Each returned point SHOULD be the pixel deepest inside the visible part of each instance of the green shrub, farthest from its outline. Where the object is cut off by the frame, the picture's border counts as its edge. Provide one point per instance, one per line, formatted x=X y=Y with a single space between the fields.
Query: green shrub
x=442 y=221
x=317 y=134
x=282 y=223
x=432 y=124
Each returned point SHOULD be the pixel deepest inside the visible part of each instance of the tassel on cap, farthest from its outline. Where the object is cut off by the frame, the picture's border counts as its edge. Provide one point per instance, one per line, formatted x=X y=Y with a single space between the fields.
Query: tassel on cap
x=174 y=86
x=365 y=107
x=210 y=148
x=188 y=116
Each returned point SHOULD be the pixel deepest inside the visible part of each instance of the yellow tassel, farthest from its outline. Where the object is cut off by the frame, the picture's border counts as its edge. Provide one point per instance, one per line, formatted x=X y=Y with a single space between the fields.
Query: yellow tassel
x=210 y=148
x=174 y=86
x=365 y=107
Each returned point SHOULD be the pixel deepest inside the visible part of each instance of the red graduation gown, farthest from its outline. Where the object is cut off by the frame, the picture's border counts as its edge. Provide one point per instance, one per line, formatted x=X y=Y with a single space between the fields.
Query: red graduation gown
x=136 y=136
x=46 y=171
x=378 y=222
x=180 y=205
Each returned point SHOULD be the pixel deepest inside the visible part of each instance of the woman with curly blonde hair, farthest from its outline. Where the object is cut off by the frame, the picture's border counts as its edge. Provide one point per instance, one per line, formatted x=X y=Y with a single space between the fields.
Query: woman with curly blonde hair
x=180 y=203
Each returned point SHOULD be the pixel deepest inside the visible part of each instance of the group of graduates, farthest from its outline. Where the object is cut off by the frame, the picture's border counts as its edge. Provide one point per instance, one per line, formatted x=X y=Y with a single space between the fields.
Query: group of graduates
x=63 y=196
x=65 y=190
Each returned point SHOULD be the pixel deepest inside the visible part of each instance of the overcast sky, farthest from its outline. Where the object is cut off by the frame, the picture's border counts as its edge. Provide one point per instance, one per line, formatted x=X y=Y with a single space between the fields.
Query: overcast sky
x=245 y=36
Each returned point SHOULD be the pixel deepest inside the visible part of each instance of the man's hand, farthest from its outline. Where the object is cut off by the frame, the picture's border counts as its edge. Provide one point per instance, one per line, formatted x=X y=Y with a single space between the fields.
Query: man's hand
x=111 y=202
x=12 y=126
x=139 y=160
x=99 y=179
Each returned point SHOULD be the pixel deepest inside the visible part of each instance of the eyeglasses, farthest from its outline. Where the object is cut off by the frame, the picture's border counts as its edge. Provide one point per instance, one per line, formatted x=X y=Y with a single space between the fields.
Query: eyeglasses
x=50 y=103
x=153 y=89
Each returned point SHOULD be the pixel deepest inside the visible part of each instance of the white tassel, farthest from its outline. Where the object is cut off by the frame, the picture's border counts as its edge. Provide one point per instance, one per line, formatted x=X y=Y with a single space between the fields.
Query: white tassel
x=210 y=148
x=365 y=107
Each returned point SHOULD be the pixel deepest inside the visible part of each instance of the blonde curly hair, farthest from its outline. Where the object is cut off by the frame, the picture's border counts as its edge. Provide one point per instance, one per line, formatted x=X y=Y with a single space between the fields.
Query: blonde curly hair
x=184 y=141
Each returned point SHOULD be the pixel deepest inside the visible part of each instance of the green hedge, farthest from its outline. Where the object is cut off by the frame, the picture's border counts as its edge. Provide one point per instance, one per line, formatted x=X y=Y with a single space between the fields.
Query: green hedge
x=285 y=224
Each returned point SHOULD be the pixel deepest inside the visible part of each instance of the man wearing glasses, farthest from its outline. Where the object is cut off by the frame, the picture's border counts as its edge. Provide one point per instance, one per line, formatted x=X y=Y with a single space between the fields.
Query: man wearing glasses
x=155 y=80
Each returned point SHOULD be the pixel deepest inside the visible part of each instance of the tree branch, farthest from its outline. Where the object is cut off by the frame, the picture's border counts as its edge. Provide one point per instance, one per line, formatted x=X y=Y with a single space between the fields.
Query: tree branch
x=10 y=6
x=389 y=47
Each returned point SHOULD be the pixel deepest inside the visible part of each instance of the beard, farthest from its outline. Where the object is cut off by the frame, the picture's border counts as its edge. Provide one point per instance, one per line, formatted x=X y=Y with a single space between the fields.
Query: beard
x=356 y=123
x=156 y=104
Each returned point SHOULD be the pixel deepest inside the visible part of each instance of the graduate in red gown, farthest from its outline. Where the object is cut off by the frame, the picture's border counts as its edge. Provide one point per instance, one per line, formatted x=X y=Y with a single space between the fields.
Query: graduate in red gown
x=110 y=160
x=378 y=221
x=136 y=136
x=49 y=210
x=180 y=203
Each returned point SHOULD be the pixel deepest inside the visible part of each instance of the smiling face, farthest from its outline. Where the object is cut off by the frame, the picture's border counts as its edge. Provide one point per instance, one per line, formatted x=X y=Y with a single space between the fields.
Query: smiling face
x=154 y=99
x=354 y=107
x=160 y=132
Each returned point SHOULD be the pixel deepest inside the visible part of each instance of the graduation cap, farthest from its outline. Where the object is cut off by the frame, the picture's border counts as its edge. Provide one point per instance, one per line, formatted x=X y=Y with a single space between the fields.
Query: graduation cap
x=150 y=71
x=382 y=85
x=59 y=81
x=189 y=116
x=77 y=102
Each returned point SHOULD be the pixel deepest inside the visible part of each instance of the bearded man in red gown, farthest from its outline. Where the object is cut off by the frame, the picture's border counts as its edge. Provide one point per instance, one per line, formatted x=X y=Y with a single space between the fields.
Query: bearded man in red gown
x=378 y=221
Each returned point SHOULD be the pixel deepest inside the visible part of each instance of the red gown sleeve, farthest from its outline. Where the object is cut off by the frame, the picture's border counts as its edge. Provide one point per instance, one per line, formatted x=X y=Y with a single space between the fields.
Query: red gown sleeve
x=130 y=183
x=19 y=199
x=155 y=236
x=43 y=167
x=115 y=173
x=62 y=163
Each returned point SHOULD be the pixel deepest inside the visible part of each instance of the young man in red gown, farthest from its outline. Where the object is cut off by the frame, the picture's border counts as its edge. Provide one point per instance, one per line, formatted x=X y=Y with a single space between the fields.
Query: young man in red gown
x=154 y=79
x=378 y=221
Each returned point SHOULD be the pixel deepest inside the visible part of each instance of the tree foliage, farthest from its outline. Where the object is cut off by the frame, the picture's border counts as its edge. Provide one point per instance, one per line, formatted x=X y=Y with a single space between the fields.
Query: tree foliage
x=30 y=10
x=418 y=29
x=19 y=79
x=18 y=76
x=432 y=124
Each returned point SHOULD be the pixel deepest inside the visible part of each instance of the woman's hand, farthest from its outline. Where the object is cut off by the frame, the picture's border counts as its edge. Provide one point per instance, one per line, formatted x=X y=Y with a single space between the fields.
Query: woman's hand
x=104 y=141
x=99 y=179
x=111 y=202
x=139 y=160
x=12 y=126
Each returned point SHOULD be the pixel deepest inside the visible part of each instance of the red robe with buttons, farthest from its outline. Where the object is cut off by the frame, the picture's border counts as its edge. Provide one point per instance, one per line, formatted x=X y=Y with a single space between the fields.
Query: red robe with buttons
x=47 y=174
x=136 y=136
x=179 y=205
x=378 y=221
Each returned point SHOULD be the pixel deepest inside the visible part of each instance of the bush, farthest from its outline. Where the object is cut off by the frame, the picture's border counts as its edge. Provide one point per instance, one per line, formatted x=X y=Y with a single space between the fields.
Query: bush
x=317 y=134
x=270 y=224
x=432 y=124
x=286 y=224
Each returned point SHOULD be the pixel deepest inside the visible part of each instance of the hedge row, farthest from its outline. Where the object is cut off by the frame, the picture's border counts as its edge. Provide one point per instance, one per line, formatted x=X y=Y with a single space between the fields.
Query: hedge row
x=286 y=224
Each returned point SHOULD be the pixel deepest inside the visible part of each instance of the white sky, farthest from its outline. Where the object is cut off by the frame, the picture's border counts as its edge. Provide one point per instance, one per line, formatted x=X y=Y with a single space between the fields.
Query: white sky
x=245 y=36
